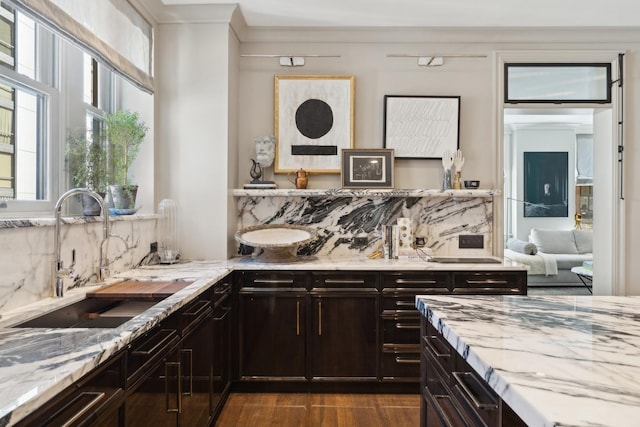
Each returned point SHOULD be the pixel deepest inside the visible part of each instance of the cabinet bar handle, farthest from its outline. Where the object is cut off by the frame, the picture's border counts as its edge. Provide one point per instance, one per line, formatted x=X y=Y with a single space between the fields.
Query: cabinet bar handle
x=274 y=281
x=406 y=326
x=166 y=386
x=189 y=352
x=319 y=318
x=349 y=281
x=407 y=360
x=487 y=282
x=405 y=304
x=220 y=317
x=97 y=397
x=298 y=318
x=415 y=282
x=163 y=340
x=467 y=391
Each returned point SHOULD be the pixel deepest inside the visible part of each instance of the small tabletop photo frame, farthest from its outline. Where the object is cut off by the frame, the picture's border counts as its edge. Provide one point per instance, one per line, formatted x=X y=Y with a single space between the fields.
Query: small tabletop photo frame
x=367 y=168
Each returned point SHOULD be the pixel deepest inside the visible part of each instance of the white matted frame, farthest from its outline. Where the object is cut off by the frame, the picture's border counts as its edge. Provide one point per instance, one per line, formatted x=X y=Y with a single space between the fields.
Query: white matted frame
x=367 y=168
x=313 y=122
x=421 y=127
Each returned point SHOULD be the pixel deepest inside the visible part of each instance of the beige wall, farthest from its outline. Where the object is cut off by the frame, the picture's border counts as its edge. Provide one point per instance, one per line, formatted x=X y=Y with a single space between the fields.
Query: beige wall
x=193 y=135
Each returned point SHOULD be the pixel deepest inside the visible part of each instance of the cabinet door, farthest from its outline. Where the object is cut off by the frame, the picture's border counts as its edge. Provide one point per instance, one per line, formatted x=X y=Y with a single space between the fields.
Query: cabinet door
x=272 y=335
x=196 y=354
x=221 y=352
x=344 y=335
x=157 y=398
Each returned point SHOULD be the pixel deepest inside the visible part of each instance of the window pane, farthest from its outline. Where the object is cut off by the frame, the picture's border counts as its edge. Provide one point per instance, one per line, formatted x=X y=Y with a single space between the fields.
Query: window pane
x=570 y=83
x=6 y=36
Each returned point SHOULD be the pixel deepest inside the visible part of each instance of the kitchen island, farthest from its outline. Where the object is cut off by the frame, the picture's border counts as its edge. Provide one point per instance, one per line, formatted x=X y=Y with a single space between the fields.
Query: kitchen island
x=554 y=361
x=38 y=363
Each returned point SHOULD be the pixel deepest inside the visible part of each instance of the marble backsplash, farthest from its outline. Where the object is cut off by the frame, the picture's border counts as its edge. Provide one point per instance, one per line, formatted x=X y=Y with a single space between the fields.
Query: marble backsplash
x=339 y=215
x=28 y=257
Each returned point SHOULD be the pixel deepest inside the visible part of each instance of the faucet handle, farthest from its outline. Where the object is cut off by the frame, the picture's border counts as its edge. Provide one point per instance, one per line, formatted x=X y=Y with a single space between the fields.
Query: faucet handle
x=103 y=273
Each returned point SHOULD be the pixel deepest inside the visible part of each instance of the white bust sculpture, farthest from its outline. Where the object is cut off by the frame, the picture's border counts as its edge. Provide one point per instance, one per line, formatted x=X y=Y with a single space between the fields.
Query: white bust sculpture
x=265 y=149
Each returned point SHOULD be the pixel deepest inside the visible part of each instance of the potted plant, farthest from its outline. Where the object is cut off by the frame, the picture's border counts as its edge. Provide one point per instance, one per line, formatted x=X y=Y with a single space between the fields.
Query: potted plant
x=86 y=161
x=125 y=132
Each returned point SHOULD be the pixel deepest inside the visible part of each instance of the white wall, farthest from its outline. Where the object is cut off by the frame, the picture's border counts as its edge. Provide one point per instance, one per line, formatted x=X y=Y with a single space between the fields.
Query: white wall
x=192 y=133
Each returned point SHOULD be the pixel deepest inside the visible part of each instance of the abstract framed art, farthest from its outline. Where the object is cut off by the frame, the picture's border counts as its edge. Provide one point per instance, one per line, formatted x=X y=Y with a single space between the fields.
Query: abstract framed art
x=313 y=122
x=421 y=127
x=367 y=168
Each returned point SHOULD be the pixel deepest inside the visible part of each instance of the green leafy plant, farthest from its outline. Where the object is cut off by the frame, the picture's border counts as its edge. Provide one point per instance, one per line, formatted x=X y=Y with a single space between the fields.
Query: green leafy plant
x=86 y=161
x=125 y=132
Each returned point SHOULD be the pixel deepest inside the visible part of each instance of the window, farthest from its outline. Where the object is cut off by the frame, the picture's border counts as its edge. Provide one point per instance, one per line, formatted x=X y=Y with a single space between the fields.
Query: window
x=560 y=83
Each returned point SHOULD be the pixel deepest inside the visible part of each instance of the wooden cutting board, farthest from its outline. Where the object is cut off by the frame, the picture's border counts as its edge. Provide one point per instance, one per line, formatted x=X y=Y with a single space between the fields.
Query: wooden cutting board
x=149 y=289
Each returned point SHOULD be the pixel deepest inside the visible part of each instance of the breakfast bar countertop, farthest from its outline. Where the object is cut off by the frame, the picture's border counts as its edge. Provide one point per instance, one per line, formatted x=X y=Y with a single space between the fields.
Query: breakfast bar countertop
x=556 y=361
x=38 y=363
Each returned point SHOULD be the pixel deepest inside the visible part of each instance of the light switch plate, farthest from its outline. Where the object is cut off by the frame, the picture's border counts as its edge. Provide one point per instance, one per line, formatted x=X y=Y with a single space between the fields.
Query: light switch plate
x=471 y=241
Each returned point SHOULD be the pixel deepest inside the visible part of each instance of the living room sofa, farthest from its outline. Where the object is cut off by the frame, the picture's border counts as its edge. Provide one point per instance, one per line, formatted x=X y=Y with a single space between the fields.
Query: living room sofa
x=556 y=252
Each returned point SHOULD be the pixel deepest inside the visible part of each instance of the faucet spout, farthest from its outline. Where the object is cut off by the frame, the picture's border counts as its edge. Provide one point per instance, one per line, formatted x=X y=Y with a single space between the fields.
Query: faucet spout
x=60 y=272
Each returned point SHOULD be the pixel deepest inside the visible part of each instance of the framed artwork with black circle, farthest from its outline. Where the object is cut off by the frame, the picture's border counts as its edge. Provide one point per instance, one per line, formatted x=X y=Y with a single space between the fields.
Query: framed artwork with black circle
x=313 y=122
x=367 y=168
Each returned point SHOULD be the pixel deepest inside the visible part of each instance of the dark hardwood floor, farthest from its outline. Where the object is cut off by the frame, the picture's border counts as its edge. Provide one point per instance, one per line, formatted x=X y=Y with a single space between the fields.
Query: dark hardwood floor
x=315 y=410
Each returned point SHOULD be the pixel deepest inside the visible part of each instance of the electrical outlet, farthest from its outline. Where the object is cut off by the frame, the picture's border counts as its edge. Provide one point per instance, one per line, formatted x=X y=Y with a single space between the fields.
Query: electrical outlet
x=471 y=241
x=361 y=240
x=153 y=247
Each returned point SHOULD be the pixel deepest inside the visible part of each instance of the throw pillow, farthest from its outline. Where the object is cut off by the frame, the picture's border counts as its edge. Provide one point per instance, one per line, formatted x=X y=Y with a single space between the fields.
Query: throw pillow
x=521 y=246
x=584 y=241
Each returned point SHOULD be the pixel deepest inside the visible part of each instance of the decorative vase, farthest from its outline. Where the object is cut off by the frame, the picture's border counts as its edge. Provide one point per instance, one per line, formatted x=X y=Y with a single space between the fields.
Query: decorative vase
x=90 y=206
x=123 y=196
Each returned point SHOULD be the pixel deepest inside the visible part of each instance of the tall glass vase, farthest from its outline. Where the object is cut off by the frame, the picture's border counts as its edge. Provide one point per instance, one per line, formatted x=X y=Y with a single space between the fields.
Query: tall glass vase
x=167 y=231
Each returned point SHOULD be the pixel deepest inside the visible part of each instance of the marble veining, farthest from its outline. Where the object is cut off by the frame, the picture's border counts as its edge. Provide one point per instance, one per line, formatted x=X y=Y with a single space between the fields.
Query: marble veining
x=339 y=215
x=557 y=361
x=36 y=364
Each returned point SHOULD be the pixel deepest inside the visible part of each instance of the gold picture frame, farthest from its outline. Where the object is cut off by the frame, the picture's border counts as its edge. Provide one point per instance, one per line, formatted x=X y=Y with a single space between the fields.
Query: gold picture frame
x=313 y=122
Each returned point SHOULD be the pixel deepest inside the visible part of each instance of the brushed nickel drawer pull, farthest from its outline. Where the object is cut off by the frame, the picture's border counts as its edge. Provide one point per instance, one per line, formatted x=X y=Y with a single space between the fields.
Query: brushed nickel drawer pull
x=406 y=326
x=407 y=360
x=189 y=352
x=319 y=318
x=487 y=282
x=97 y=397
x=405 y=304
x=298 y=318
x=415 y=282
x=166 y=386
x=469 y=393
x=274 y=281
x=346 y=281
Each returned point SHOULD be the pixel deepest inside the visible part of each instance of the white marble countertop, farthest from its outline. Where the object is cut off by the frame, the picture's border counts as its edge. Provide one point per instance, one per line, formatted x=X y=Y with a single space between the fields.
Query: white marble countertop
x=556 y=361
x=37 y=363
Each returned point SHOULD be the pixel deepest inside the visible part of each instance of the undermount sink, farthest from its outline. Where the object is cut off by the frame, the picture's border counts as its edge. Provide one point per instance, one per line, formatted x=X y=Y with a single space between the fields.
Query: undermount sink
x=89 y=313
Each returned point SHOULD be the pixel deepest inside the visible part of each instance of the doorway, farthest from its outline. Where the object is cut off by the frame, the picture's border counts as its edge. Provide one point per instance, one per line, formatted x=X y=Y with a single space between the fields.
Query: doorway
x=588 y=133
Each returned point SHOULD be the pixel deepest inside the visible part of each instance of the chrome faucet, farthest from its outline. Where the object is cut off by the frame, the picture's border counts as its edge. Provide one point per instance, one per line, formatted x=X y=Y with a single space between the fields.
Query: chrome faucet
x=59 y=271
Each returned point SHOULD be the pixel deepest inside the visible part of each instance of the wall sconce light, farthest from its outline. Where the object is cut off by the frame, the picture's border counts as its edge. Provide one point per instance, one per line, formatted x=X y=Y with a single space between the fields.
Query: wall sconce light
x=292 y=61
x=430 y=61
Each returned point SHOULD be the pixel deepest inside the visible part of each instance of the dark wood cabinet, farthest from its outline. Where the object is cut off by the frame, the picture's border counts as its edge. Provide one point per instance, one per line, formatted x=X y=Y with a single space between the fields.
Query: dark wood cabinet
x=95 y=400
x=222 y=308
x=272 y=312
x=452 y=392
x=344 y=334
x=401 y=321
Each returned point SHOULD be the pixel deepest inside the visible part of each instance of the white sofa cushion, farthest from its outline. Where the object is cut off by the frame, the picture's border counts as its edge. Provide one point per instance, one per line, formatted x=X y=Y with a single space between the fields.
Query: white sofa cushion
x=584 y=241
x=566 y=261
x=554 y=241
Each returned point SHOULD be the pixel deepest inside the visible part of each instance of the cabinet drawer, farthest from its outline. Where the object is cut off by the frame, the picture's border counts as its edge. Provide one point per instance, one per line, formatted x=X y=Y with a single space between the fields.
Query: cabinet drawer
x=491 y=283
x=345 y=280
x=273 y=279
x=195 y=313
x=147 y=351
x=405 y=299
x=478 y=401
x=401 y=330
x=430 y=280
x=441 y=410
x=401 y=361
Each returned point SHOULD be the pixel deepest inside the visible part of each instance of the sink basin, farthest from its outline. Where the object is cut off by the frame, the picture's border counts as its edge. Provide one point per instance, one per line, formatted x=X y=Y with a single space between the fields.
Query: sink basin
x=89 y=313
